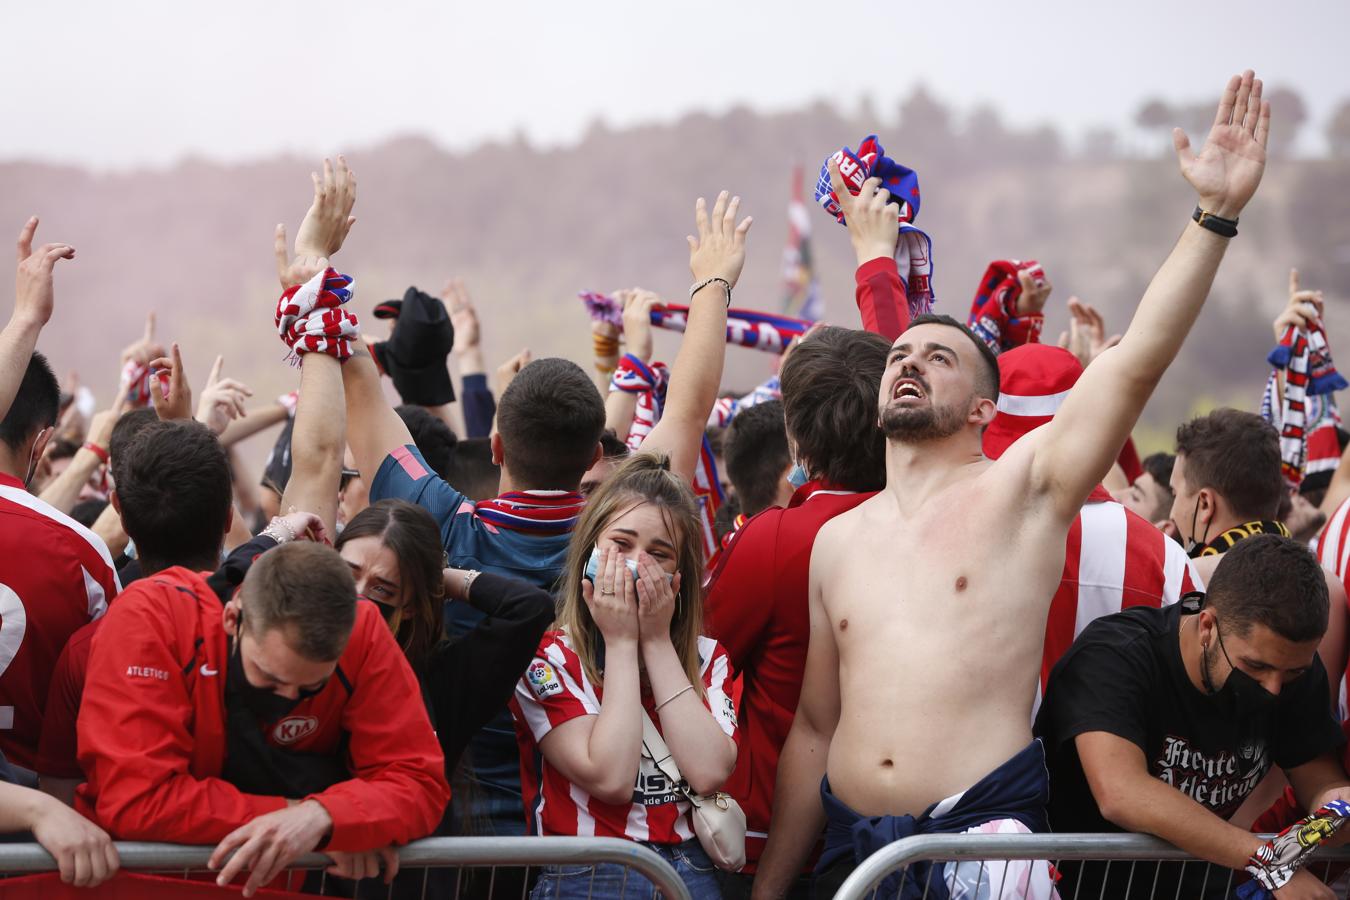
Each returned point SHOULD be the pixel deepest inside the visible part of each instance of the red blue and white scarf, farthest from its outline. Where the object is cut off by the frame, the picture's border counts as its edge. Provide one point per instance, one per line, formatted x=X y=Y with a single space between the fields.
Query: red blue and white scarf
x=993 y=312
x=533 y=512
x=727 y=408
x=769 y=332
x=914 y=248
x=310 y=317
x=1307 y=417
x=649 y=382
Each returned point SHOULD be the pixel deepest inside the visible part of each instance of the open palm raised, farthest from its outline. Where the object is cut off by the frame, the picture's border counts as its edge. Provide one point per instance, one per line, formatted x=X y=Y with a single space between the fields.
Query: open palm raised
x=1228 y=168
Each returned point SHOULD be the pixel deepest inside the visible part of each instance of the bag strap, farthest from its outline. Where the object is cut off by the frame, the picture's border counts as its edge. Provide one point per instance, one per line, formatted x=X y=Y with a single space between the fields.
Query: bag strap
x=657 y=751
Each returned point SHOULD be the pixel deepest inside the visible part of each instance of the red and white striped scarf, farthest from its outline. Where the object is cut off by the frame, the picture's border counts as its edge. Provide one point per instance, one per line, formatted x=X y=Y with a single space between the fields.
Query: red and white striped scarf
x=310 y=317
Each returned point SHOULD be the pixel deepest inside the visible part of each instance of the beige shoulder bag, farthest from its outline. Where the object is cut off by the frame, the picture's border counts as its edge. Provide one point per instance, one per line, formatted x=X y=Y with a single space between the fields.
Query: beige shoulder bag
x=719 y=821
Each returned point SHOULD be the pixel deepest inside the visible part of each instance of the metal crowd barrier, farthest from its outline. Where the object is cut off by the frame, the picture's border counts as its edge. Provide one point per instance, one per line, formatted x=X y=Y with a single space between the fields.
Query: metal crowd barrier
x=1112 y=849
x=428 y=855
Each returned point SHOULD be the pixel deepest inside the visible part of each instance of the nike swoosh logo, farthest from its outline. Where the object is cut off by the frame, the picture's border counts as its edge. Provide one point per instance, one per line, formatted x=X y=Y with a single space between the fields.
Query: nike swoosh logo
x=208 y=672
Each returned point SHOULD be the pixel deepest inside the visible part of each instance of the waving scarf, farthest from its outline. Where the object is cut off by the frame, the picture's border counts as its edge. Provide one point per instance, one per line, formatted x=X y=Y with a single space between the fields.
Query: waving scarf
x=914 y=248
x=1307 y=416
x=745 y=327
x=993 y=313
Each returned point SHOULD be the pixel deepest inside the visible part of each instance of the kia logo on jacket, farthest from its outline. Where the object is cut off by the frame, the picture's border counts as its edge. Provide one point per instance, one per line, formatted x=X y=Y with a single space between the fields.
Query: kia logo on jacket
x=293 y=728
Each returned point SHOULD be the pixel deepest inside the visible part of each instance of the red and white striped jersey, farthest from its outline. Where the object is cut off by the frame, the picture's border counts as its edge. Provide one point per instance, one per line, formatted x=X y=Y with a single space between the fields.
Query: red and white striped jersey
x=1332 y=546
x=55 y=576
x=1114 y=559
x=555 y=690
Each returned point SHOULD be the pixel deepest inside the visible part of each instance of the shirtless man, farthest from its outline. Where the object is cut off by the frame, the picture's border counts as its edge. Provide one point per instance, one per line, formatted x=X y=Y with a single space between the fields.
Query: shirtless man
x=928 y=602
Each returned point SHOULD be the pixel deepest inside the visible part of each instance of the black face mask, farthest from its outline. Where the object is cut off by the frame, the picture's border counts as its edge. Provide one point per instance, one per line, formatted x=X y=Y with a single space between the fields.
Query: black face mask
x=264 y=703
x=1241 y=695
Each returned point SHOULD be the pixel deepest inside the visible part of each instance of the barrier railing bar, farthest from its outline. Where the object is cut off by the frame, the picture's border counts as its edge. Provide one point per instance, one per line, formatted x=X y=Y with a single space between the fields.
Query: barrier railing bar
x=959 y=847
x=459 y=851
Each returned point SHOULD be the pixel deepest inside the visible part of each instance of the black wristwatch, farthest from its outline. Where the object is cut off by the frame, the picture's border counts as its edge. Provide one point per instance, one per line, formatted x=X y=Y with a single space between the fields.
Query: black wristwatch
x=1220 y=226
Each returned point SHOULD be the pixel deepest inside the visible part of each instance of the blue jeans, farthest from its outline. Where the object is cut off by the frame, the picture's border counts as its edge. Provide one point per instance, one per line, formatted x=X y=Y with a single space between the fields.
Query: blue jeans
x=611 y=881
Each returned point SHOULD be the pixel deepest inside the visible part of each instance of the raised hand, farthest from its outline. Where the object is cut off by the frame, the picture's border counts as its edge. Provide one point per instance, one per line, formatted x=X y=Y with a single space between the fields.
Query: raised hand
x=222 y=400
x=872 y=227
x=34 y=297
x=145 y=349
x=719 y=249
x=1303 y=311
x=329 y=219
x=507 y=371
x=1035 y=291
x=463 y=316
x=101 y=426
x=637 y=321
x=1086 y=337
x=1228 y=168
x=176 y=402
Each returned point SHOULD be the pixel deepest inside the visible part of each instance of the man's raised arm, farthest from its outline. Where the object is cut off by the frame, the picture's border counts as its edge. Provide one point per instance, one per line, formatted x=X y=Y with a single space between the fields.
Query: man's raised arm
x=33 y=301
x=317 y=440
x=874 y=228
x=1075 y=450
x=716 y=257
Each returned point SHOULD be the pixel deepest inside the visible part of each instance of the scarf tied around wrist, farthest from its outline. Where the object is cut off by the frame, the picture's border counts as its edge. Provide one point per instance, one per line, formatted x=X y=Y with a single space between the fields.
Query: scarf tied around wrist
x=311 y=319
x=913 y=248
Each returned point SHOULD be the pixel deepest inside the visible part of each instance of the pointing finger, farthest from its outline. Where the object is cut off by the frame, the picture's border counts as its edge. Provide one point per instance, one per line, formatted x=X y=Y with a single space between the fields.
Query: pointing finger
x=1293 y=282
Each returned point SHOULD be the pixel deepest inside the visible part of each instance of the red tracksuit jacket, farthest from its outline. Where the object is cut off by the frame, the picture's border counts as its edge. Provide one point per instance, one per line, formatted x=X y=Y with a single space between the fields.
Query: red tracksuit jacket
x=152 y=728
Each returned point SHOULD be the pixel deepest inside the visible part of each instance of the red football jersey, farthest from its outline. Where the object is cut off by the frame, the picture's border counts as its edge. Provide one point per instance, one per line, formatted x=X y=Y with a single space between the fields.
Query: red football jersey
x=555 y=690
x=56 y=576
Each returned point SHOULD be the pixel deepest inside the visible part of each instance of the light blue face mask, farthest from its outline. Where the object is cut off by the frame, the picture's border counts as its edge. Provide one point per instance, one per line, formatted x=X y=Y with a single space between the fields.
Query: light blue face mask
x=798 y=476
x=593 y=567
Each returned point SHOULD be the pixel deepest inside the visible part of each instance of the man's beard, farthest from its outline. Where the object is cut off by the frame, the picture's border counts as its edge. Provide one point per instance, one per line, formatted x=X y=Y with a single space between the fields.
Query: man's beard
x=915 y=425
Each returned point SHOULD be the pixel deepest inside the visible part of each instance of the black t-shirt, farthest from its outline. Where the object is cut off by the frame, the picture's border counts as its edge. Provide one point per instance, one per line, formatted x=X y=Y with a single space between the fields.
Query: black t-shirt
x=1124 y=676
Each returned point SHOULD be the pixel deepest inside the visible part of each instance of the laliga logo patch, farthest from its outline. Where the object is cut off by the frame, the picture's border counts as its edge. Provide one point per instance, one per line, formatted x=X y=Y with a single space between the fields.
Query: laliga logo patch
x=292 y=729
x=543 y=681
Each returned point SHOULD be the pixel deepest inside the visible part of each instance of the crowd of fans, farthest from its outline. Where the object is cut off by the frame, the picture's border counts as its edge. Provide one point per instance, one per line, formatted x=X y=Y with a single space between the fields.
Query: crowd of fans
x=919 y=581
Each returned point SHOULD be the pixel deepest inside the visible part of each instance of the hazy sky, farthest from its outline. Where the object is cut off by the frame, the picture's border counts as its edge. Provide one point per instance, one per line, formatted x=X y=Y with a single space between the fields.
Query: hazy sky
x=141 y=82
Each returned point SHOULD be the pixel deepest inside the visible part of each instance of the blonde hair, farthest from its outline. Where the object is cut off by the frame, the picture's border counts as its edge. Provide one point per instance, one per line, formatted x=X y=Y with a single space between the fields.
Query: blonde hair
x=643 y=479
